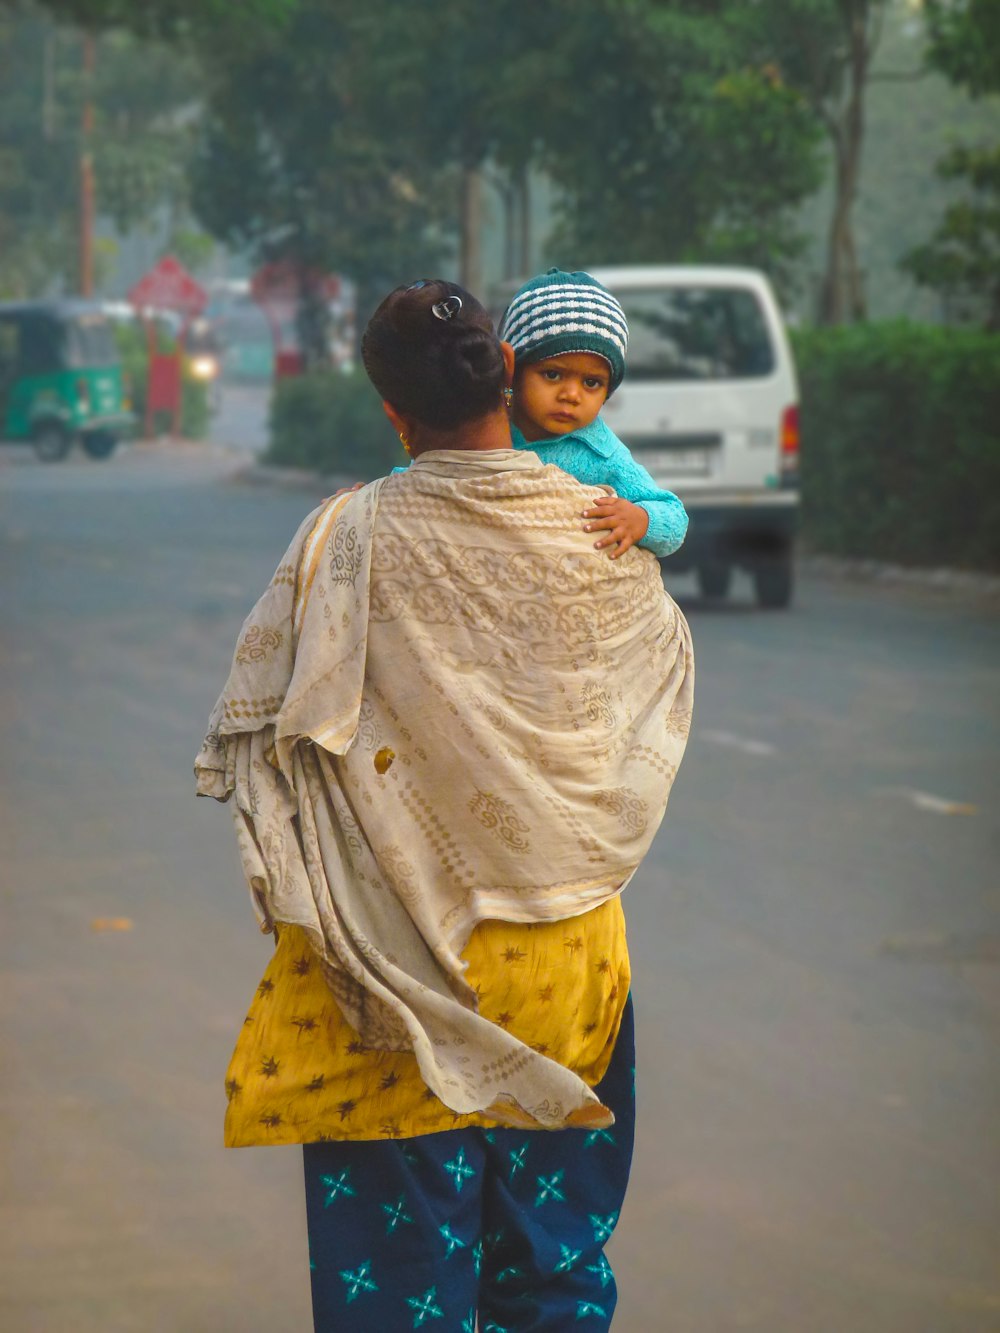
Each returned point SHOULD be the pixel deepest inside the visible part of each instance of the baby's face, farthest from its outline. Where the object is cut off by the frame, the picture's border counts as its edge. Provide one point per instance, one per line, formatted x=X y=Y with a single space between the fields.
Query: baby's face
x=560 y=394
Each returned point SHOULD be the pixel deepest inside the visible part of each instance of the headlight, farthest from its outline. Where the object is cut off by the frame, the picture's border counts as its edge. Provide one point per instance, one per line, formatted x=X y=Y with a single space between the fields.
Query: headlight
x=204 y=367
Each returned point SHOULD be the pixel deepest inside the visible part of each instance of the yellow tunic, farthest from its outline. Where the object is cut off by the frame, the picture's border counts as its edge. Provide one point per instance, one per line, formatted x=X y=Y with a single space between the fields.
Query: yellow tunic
x=300 y=1074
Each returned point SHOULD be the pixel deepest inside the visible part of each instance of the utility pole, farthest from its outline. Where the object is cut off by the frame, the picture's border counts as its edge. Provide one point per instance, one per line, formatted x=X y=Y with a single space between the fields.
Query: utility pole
x=470 y=255
x=86 y=256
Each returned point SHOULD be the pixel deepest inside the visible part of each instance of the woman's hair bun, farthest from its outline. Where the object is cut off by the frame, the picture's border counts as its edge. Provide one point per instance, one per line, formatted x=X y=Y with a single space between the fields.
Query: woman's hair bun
x=479 y=353
x=430 y=350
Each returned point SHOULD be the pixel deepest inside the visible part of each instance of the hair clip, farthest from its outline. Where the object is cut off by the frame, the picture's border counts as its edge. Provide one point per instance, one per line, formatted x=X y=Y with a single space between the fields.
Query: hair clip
x=448 y=308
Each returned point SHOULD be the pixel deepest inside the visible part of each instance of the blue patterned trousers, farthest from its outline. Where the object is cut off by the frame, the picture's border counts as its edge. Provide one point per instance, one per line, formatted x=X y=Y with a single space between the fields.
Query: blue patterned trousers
x=505 y=1225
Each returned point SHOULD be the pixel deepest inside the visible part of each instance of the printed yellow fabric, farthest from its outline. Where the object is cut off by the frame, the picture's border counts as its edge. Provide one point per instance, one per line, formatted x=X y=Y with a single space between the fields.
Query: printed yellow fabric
x=301 y=1074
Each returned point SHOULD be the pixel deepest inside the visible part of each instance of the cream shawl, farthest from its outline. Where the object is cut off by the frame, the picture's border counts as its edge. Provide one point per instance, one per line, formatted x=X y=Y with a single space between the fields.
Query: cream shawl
x=448 y=707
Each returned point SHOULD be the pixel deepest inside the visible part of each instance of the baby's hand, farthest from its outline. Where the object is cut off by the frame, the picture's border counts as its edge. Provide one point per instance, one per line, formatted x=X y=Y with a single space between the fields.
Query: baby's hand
x=627 y=523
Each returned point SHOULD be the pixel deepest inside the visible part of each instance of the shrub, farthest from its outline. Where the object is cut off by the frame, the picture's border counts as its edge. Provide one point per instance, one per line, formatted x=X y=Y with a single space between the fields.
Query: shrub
x=901 y=443
x=332 y=422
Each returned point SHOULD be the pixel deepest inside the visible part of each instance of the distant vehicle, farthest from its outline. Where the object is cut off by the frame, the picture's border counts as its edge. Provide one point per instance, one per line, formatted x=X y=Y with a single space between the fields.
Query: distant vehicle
x=60 y=378
x=247 y=342
x=709 y=407
x=204 y=352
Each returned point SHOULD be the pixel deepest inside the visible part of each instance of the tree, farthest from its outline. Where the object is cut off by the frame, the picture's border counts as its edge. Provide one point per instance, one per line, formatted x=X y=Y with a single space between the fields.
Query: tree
x=825 y=48
x=172 y=20
x=37 y=155
x=142 y=95
x=962 y=258
x=461 y=85
x=290 y=166
x=668 y=138
x=965 y=42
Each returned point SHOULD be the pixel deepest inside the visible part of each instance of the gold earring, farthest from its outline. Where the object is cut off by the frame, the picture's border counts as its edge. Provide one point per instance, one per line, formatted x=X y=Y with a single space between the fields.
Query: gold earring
x=508 y=396
x=404 y=442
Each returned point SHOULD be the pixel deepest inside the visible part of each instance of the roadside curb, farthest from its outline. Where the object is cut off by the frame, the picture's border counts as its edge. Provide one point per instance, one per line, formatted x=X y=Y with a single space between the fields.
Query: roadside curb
x=941 y=579
x=844 y=568
x=293 y=478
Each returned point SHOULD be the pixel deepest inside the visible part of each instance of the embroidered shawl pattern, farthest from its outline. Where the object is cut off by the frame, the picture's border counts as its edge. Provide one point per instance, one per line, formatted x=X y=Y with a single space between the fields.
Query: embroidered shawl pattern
x=448 y=707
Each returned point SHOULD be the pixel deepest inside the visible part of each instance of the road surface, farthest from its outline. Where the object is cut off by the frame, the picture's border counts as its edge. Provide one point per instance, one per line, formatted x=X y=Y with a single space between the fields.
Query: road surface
x=815 y=939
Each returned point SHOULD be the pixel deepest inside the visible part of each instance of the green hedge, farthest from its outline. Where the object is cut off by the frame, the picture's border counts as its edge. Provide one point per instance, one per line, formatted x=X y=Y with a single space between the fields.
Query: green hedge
x=332 y=422
x=901 y=443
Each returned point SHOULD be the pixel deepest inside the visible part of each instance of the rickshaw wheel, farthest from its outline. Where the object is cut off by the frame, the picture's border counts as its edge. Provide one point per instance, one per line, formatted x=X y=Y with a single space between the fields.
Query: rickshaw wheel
x=52 y=443
x=100 y=443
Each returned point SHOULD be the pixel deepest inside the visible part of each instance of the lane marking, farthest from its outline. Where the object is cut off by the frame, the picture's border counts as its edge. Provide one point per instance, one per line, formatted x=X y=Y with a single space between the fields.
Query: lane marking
x=936 y=805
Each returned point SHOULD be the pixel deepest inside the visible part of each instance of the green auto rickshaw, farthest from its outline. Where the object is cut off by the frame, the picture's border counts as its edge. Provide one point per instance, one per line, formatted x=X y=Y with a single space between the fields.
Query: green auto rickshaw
x=60 y=378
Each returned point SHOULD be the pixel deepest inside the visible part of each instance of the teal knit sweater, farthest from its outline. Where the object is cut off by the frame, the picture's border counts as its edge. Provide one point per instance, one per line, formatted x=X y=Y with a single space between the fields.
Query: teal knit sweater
x=597 y=457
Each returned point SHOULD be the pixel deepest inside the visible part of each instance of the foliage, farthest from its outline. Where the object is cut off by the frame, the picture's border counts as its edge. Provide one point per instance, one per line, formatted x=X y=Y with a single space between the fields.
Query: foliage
x=825 y=49
x=134 y=350
x=900 y=453
x=142 y=94
x=290 y=167
x=343 y=150
x=173 y=20
x=37 y=158
x=965 y=42
x=332 y=423
x=962 y=257
x=688 y=135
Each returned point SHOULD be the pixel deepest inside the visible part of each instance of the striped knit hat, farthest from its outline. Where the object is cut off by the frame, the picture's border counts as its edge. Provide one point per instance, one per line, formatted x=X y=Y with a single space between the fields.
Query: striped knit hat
x=558 y=313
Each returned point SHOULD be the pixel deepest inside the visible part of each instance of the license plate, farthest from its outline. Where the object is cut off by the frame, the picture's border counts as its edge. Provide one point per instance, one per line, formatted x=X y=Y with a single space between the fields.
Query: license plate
x=679 y=463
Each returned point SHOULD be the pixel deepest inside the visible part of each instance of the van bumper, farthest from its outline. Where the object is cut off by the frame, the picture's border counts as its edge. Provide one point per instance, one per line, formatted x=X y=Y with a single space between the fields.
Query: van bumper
x=738 y=528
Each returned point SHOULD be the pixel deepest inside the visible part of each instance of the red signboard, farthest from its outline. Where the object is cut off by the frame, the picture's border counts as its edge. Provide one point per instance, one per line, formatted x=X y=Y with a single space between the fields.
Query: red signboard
x=280 y=284
x=169 y=286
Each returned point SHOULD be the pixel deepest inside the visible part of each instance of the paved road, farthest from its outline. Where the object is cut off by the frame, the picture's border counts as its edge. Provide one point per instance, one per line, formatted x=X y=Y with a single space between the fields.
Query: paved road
x=816 y=939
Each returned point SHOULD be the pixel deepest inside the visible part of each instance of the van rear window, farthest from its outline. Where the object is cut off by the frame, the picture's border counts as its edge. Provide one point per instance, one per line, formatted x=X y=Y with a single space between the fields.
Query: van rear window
x=696 y=333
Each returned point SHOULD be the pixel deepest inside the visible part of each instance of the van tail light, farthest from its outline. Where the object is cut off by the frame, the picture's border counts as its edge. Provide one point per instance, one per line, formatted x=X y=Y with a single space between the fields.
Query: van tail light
x=83 y=393
x=790 y=445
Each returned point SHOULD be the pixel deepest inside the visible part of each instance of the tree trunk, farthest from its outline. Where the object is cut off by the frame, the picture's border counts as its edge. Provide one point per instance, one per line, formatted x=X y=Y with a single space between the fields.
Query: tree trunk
x=842 y=298
x=312 y=321
x=508 y=192
x=85 y=276
x=524 y=204
x=470 y=258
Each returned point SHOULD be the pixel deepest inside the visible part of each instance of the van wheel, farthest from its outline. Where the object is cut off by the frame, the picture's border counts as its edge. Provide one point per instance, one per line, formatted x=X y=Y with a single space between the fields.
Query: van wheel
x=100 y=443
x=714 y=580
x=773 y=583
x=51 y=441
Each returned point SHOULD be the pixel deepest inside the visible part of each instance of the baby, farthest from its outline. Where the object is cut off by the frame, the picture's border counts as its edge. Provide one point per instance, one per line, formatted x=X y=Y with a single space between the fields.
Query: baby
x=569 y=336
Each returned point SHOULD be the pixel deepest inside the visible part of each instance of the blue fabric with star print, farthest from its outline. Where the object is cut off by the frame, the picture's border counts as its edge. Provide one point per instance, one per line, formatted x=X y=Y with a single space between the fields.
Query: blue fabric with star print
x=510 y=1225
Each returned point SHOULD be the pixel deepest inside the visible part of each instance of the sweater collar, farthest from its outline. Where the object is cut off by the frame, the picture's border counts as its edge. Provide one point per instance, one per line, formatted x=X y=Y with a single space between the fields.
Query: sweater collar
x=596 y=437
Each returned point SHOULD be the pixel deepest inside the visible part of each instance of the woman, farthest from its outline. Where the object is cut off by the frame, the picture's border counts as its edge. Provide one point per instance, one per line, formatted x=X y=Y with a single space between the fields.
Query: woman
x=450 y=730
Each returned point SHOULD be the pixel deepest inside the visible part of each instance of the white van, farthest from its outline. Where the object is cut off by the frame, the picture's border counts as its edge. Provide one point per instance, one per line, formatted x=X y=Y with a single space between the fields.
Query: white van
x=709 y=407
